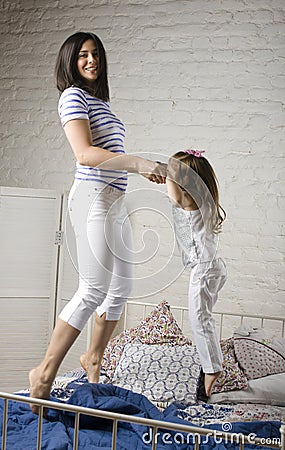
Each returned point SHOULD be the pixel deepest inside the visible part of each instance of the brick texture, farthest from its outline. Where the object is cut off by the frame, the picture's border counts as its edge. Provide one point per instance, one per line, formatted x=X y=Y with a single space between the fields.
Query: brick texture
x=203 y=73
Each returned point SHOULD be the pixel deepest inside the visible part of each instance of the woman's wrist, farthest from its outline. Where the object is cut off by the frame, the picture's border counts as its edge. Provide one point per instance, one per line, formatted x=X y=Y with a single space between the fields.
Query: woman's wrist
x=152 y=170
x=145 y=166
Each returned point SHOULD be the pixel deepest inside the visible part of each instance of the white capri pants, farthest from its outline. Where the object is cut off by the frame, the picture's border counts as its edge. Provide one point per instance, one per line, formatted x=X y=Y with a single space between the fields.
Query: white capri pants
x=104 y=252
x=206 y=280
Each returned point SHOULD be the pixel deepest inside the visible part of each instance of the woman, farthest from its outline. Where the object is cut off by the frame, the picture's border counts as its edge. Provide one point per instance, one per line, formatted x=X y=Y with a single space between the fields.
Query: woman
x=96 y=206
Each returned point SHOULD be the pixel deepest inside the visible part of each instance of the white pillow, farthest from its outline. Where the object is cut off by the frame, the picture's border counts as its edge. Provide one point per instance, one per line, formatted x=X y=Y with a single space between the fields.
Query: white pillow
x=258 y=334
x=268 y=390
x=163 y=373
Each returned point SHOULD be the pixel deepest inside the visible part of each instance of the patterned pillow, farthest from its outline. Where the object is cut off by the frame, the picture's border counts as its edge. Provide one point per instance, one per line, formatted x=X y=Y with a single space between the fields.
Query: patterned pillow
x=257 y=359
x=163 y=373
x=159 y=327
x=259 y=334
x=232 y=377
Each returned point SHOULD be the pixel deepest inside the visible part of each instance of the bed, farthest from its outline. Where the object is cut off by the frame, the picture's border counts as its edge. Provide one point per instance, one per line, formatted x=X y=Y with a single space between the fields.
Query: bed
x=148 y=394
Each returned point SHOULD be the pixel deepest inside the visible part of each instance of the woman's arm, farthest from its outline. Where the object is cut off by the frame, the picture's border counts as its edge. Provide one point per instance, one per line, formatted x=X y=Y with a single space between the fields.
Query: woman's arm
x=79 y=136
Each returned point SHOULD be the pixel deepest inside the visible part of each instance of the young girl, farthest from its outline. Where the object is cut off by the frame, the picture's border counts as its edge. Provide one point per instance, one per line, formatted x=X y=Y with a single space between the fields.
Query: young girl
x=197 y=216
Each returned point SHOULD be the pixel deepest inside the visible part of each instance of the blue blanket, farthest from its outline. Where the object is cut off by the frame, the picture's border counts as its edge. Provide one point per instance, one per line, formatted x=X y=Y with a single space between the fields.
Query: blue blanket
x=95 y=433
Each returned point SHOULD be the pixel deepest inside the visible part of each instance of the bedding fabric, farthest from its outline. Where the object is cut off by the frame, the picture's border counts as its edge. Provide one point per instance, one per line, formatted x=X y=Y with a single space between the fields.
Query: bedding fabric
x=261 y=335
x=159 y=327
x=232 y=377
x=205 y=414
x=96 y=433
x=163 y=373
x=266 y=390
x=257 y=359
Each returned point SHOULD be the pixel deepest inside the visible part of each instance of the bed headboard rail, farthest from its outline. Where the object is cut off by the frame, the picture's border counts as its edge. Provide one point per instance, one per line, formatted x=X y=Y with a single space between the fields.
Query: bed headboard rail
x=226 y=321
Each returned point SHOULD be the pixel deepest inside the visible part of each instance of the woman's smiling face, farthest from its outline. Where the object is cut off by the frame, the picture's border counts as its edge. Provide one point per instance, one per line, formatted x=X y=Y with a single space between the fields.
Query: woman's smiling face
x=88 y=62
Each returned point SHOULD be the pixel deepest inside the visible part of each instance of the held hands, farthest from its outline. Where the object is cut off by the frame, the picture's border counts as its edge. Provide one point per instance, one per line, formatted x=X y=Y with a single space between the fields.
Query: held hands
x=156 y=172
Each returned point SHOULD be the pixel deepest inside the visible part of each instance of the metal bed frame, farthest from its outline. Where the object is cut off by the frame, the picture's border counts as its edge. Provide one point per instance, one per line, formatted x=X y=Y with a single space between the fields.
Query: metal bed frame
x=219 y=316
x=193 y=434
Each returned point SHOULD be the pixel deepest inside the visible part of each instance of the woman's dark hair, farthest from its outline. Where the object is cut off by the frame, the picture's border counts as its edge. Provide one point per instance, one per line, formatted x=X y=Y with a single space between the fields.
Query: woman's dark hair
x=66 y=72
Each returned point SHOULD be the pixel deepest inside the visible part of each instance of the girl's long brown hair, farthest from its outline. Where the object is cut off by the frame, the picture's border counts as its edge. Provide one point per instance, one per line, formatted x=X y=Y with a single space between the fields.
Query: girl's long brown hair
x=205 y=172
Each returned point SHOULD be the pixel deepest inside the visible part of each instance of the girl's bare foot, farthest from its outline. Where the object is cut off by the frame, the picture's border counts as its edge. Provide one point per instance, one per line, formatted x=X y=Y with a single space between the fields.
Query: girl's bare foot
x=91 y=367
x=210 y=379
x=39 y=387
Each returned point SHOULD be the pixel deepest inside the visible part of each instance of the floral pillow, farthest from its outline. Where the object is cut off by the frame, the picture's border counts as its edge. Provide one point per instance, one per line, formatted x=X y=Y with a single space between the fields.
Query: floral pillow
x=159 y=327
x=163 y=373
x=257 y=359
x=232 y=377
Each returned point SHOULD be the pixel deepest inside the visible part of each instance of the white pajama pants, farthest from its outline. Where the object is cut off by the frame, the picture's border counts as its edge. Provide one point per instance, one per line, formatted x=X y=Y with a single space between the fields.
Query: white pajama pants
x=206 y=280
x=104 y=252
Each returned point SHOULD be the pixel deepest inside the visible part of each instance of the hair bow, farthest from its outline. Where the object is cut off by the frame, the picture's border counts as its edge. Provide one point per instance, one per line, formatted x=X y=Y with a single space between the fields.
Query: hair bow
x=197 y=153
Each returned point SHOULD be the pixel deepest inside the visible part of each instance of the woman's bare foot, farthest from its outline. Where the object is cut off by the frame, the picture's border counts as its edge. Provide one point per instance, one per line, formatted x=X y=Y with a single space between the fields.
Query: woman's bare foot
x=210 y=379
x=91 y=367
x=39 y=387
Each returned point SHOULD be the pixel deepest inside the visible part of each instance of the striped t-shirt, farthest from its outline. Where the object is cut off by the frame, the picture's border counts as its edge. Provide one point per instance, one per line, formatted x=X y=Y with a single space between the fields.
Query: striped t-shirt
x=108 y=132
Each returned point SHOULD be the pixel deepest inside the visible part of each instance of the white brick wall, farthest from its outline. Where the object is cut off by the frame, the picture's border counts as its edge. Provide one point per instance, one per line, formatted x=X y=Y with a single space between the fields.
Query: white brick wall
x=207 y=73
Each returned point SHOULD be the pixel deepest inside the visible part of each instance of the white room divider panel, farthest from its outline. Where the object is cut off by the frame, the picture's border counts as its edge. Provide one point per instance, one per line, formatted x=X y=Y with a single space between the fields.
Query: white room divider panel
x=29 y=220
x=38 y=276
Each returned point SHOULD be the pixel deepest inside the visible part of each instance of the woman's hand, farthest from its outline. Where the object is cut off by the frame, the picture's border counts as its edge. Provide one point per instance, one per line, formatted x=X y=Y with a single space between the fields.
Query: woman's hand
x=156 y=172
